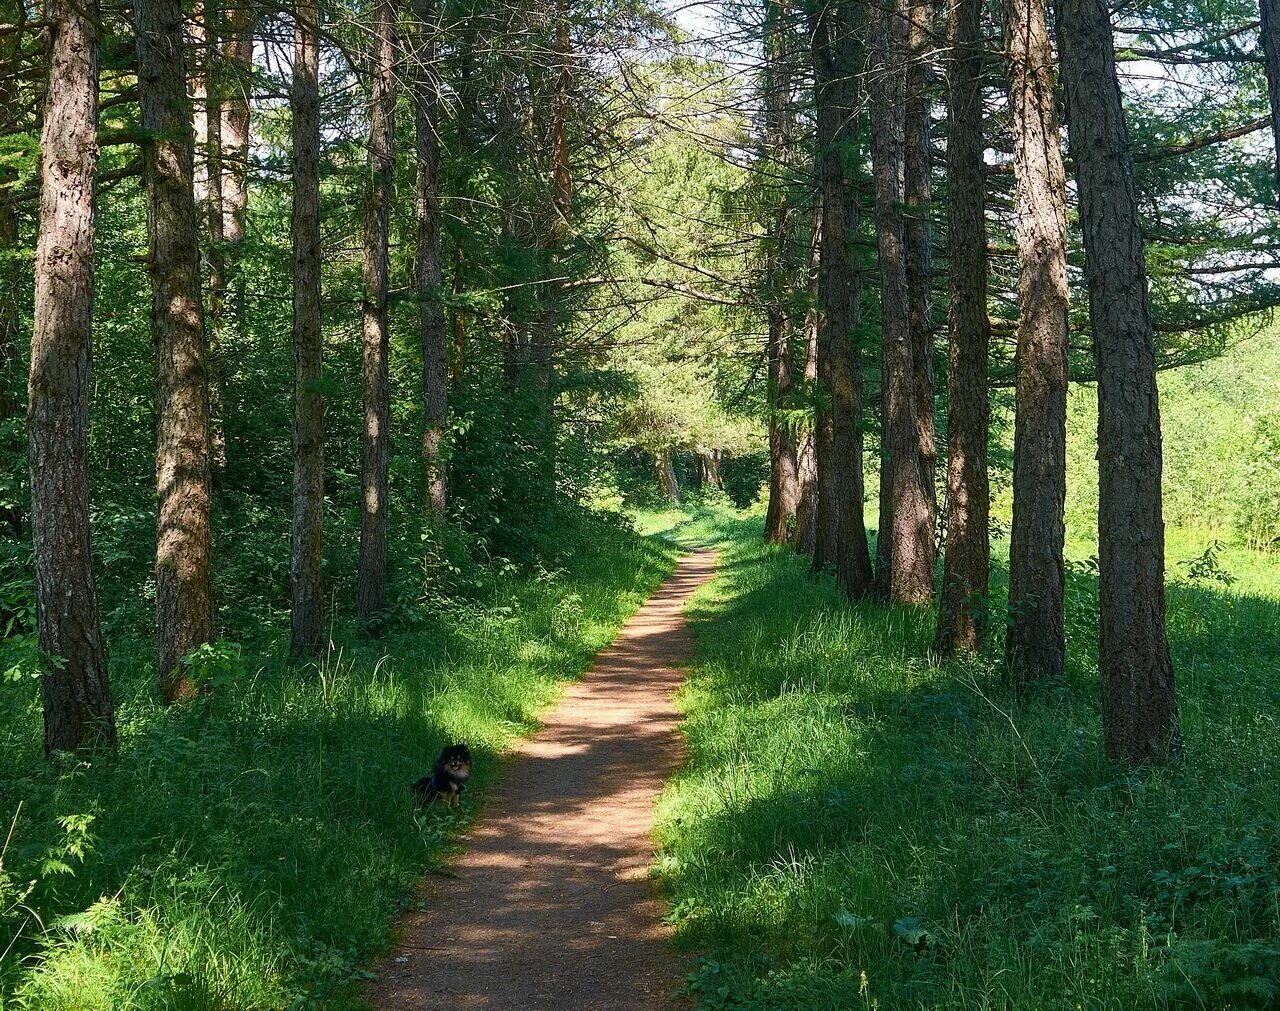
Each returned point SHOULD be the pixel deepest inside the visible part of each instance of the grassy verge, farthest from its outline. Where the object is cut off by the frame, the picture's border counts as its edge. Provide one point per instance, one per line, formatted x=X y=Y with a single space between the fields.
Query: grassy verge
x=249 y=851
x=858 y=827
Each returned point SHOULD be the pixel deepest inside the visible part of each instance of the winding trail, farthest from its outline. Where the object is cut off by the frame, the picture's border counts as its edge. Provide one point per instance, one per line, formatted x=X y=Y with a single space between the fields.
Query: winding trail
x=552 y=907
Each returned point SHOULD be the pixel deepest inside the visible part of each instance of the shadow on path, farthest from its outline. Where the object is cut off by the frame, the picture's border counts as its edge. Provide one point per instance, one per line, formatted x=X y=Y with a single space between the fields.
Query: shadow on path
x=552 y=907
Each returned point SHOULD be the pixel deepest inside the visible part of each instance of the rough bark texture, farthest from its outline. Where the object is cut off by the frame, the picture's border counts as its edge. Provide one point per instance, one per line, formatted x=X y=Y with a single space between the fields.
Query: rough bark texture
x=371 y=588
x=709 y=475
x=545 y=343
x=784 y=480
x=76 y=694
x=909 y=509
x=239 y=20
x=12 y=283
x=967 y=561
x=1270 y=37
x=802 y=538
x=841 y=536
x=1139 y=703
x=184 y=597
x=664 y=470
x=209 y=200
x=307 y=580
x=430 y=273
x=784 y=475
x=1035 y=646
x=918 y=196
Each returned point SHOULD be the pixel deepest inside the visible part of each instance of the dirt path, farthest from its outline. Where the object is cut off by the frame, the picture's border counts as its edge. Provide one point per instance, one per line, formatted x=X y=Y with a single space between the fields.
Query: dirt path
x=553 y=908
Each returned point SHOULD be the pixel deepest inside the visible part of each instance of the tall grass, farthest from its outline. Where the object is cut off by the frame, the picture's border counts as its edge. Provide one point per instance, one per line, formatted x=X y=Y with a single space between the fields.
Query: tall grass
x=859 y=826
x=249 y=851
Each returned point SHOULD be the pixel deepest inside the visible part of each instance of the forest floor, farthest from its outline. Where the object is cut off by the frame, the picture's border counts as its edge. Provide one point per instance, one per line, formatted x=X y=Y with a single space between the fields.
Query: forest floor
x=858 y=825
x=249 y=851
x=552 y=906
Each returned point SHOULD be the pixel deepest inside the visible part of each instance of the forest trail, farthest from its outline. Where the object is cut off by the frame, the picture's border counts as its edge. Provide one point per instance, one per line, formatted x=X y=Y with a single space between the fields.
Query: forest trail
x=552 y=907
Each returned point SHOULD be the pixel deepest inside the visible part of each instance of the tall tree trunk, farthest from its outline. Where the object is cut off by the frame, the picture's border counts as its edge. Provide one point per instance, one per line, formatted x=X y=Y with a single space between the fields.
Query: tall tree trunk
x=779 y=278
x=709 y=475
x=665 y=470
x=784 y=475
x=918 y=197
x=1139 y=703
x=840 y=534
x=184 y=595
x=307 y=580
x=802 y=539
x=209 y=200
x=371 y=589
x=430 y=273
x=967 y=561
x=909 y=526
x=1036 y=646
x=463 y=124
x=545 y=336
x=77 y=697
x=1270 y=37
x=239 y=20
x=11 y=281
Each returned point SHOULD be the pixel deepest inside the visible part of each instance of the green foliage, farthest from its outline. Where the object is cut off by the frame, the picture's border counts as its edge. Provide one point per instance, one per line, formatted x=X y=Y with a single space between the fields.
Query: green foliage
x=859 y=826
x=249 y=851
x=1221 y=429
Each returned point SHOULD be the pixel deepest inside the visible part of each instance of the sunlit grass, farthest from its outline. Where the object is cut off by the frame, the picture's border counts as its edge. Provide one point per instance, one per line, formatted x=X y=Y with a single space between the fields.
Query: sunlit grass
x=249 y=852
x=858 y=826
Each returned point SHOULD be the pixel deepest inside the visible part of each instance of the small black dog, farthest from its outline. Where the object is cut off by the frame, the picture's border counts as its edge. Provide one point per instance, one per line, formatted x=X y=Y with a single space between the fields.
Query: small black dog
x=448 y=777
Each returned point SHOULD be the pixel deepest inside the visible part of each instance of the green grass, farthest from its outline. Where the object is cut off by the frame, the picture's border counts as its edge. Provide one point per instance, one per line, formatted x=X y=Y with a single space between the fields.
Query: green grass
x=249 y=851
x=859 y=827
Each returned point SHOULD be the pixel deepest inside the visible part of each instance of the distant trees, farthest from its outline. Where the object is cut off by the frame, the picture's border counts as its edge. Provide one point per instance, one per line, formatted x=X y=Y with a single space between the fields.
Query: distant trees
x=803 y=302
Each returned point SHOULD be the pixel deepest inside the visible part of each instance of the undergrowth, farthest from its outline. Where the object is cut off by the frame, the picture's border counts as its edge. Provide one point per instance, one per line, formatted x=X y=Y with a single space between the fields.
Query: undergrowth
x=249 y=851
x=860 y=827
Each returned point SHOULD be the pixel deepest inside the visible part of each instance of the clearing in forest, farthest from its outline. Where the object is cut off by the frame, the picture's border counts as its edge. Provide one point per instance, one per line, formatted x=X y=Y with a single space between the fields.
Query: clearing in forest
x=552 y=906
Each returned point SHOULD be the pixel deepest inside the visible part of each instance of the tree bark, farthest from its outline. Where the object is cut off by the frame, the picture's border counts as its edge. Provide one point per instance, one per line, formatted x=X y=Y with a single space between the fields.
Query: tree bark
x=840 y=534
x=240 y=18
x=779 y=278
x=802 y=538
x=709 y=475
x=209 y=200
x=909 y=510
x=11 y=284
x=918 y=198
x=184 y=596
x=1035 y=646
x=76 y=694
x=665 y=471
x=371 y=590
x=1270 y=38
x=431 y=316
x=784 y=476
x=1139 y=702
x=307 y=580
x=546 y=336
x=967 y=560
